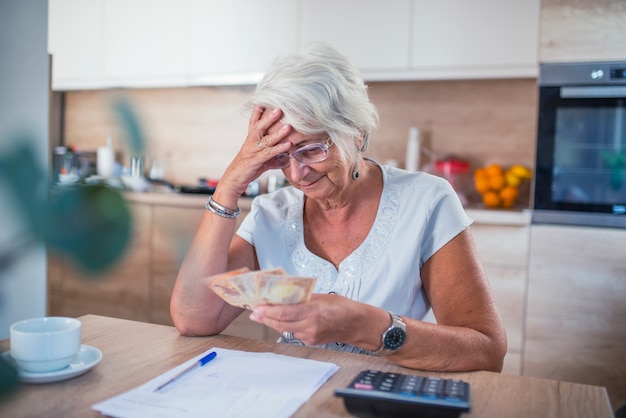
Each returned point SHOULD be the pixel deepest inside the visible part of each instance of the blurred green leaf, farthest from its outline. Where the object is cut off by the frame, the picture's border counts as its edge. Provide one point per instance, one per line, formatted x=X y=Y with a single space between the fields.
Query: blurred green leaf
x=92 y=224
x=130 y=122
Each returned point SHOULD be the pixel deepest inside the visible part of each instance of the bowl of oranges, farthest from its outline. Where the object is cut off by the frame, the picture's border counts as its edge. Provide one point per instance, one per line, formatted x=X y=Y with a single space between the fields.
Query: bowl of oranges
x=499 y=187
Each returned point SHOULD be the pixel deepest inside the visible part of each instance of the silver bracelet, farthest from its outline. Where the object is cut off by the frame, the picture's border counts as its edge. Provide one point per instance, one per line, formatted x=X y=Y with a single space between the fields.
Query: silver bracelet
x=221 y=210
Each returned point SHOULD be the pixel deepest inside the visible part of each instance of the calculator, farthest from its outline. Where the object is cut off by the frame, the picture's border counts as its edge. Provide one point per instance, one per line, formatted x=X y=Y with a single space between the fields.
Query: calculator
x=374 y=393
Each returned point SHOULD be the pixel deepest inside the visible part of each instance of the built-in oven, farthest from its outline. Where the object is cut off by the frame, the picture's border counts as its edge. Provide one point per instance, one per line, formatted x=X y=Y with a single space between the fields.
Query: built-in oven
x=581 y=145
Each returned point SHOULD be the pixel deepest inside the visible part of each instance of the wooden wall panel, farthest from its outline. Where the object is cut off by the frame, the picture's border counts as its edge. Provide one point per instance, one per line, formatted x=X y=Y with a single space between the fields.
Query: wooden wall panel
x=582 y=30
x=195 y=132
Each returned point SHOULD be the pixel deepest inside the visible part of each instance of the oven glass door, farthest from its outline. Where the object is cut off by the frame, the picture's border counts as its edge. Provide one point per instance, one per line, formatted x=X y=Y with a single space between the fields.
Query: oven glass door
x=581 y=150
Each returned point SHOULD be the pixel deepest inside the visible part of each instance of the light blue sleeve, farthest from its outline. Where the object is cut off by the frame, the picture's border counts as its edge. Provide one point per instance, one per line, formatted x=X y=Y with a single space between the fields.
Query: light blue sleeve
x=445 y=219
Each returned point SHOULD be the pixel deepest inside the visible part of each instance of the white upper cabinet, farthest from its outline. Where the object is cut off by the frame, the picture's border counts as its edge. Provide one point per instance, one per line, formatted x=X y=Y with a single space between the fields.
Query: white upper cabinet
x=234 y=41
x=373 y=34
x=74 y=40
x=478 y=38
x=156 y=43
x=420 y=39
x=144 y=42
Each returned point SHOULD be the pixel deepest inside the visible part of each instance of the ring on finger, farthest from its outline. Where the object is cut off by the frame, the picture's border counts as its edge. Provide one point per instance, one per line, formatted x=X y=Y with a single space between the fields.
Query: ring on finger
x=262 y=141
x=288 y=335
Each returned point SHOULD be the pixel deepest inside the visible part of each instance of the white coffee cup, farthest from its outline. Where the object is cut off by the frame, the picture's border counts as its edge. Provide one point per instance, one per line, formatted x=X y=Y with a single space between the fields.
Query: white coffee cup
x=45 y=344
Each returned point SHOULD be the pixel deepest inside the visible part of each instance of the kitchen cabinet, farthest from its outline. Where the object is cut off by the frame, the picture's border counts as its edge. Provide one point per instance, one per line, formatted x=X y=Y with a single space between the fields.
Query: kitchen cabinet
x=173 y=231
x=74 y=40
x=234 y=41
x=143 y=41
x=140 y=285
x=419 y=39
x=113 y=43
x=107 y=43
x=374 y=35
x=576 y=307
x=477 y=39
x=178 y=43
x=122 y=292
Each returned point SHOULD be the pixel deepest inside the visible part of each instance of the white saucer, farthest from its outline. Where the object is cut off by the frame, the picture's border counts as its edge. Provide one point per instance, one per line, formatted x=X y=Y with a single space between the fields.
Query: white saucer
x=85 y=360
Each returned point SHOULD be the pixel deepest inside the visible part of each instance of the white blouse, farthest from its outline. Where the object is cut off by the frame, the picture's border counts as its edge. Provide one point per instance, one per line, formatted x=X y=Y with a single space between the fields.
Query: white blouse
x=417 y=215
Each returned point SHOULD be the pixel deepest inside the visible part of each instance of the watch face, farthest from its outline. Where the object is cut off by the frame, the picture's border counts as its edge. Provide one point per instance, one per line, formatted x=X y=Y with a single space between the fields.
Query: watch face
x=394 y=338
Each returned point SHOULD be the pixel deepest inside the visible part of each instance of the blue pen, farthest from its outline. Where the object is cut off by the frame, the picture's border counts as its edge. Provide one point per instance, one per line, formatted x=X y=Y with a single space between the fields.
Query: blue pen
x=204 y=360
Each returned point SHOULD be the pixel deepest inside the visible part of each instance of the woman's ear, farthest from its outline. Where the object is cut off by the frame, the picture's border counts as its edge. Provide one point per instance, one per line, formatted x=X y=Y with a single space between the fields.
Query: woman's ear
x=362 y=141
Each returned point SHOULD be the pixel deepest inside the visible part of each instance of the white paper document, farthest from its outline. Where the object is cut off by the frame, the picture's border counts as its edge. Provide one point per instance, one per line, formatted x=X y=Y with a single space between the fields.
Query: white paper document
x=233 y=384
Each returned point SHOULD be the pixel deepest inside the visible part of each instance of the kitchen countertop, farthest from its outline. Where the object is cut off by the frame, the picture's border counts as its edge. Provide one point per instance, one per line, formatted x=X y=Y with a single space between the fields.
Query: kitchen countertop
x=186 y=200
x=479 y=215
x=500 y=216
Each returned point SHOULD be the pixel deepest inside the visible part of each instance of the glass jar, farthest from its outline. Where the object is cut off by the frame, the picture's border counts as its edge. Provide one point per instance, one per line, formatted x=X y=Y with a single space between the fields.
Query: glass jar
x=458 y=174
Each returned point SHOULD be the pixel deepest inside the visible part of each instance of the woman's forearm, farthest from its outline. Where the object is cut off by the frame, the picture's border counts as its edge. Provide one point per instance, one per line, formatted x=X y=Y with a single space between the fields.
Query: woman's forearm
x=447 y=348
x=194 y=308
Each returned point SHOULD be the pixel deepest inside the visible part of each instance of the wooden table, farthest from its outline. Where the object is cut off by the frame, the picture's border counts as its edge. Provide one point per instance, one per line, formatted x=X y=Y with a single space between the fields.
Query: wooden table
x=135 y=352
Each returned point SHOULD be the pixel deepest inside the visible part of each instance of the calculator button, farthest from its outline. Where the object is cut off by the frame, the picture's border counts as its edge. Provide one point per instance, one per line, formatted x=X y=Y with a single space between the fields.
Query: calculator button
x=433 y=388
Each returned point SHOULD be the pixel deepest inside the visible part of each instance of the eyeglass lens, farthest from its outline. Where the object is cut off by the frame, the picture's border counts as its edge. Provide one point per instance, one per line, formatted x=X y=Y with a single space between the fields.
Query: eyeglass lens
x=308 y=154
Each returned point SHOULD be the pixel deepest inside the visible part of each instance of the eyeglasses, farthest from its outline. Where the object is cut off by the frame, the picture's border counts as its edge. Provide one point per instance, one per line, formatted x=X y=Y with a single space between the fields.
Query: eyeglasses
x=308 y=154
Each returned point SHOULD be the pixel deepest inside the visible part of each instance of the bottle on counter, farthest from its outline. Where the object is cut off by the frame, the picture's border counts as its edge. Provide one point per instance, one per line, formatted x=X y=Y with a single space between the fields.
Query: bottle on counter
x=412 y=162
x=105 y=160
x=137 y=166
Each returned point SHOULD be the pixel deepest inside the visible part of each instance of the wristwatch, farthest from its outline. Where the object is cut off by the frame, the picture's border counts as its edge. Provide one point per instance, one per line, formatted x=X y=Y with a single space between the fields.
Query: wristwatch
x=393 y=337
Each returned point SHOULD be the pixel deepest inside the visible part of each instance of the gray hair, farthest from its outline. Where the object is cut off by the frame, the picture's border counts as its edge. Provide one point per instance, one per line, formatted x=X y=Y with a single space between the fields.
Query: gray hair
x=320 y=91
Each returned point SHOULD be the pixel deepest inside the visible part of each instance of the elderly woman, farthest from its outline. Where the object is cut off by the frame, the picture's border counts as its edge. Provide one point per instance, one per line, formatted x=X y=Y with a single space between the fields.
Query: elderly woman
x=385 y=244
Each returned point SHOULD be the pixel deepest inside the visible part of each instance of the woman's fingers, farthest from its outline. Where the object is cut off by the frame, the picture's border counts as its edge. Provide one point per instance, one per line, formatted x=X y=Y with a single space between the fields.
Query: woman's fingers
x=274 y=136
x=265 y=129
x=303 y=319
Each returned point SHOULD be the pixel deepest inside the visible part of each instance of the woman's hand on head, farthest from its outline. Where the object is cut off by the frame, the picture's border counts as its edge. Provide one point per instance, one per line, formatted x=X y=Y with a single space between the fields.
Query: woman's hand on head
x=265 y=139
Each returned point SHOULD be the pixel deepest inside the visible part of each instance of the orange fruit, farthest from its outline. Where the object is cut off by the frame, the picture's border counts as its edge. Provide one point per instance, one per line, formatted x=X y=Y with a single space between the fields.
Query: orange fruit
x=506 y=204
x=508 y=195
x=480 y=173
x=497 y=182
x=481 y=184
x=494 y=170
x=491 y=199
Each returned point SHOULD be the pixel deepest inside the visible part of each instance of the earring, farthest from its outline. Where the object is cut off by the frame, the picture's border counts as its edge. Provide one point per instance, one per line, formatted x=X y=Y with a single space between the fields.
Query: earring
x=356 y=173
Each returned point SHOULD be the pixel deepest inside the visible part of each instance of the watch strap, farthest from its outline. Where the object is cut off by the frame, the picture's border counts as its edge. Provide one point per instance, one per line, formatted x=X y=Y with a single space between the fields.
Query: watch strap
x=396 y=322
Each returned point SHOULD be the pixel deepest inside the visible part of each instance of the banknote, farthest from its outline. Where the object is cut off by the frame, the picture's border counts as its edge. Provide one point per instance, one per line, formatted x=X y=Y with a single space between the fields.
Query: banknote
x=230 y=289
x=247 y=289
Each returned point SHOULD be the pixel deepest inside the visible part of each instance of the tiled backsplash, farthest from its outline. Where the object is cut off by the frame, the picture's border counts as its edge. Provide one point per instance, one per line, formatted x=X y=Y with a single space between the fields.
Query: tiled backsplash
x=195 y=132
